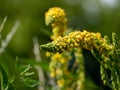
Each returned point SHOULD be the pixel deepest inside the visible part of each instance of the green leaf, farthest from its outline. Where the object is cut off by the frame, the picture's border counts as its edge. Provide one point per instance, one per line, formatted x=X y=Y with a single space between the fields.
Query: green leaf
x=30 y=82
x=24 y=69
x=3 y=77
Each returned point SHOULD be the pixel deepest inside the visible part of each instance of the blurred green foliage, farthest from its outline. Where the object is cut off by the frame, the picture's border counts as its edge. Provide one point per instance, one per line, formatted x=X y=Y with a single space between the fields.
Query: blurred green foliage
x=93 y=15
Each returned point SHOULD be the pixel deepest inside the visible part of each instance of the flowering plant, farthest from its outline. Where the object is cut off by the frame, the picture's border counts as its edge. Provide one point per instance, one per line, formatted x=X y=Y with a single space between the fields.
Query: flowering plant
x=64 y=47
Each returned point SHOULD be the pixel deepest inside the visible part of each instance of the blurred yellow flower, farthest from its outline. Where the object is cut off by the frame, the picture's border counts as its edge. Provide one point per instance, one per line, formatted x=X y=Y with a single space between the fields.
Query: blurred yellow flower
x=59 y=72
x=47 y=54
x=60 y=82
x=62 y=60
x=52 y=74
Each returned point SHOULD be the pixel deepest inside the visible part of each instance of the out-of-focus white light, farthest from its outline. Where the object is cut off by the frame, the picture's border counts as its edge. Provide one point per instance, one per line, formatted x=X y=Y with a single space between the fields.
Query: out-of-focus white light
x=110 y=3
x=92 y=11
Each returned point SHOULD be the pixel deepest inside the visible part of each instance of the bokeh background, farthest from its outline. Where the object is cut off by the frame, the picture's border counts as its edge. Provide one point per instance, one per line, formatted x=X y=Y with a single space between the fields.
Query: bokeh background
x=93 y=15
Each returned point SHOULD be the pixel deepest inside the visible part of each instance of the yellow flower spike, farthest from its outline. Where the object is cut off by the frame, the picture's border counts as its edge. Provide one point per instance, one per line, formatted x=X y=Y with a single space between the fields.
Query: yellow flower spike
x=78 y=39
x=57 y=18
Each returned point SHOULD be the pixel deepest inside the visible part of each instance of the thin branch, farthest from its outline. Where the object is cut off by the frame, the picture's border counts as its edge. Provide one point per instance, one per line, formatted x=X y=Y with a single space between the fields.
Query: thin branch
x=3 y=23
x=38 y=59
x=5 y=43
x=36 y=49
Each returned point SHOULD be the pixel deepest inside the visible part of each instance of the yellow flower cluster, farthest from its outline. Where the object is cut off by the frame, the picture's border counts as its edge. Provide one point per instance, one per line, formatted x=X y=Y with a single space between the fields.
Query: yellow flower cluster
x=55 y=15
x=58 y=68
x=79 y=39
x=57 y=64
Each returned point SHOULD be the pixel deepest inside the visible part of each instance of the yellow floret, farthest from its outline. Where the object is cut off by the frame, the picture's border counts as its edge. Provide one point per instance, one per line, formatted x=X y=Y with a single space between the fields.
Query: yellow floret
x=58 y=72
x=47 y=54
x=56 y=57
x=52 y=74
